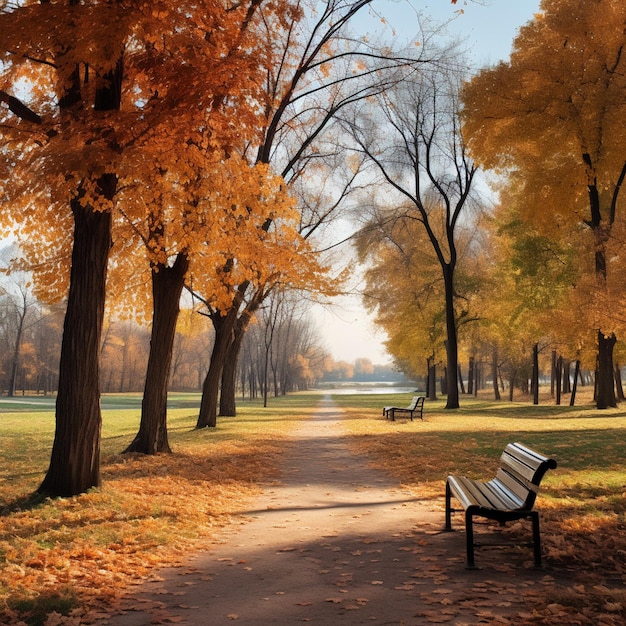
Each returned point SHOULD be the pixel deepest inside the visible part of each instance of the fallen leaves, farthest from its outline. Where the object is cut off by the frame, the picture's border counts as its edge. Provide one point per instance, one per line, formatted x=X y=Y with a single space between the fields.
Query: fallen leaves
x=151 y=512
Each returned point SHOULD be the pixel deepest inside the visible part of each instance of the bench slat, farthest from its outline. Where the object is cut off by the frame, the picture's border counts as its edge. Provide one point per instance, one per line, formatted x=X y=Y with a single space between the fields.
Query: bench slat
x=525 y=473
x=513 y=484
x=510 y=500
x=473 y=493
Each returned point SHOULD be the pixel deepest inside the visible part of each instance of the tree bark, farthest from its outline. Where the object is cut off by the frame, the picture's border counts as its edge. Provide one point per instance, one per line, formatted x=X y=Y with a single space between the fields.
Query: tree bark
x=605 y=396
x=167 y=286
x=224 y=327
x=228 y=404
x=75 y=460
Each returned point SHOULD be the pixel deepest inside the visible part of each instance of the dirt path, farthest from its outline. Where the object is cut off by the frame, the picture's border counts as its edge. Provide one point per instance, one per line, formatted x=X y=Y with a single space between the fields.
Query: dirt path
x=337 y=542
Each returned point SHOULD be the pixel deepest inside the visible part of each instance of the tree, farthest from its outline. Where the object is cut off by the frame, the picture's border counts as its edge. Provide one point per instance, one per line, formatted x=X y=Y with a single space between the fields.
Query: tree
x=551 y=120
x=319 y=69
x=412 y=138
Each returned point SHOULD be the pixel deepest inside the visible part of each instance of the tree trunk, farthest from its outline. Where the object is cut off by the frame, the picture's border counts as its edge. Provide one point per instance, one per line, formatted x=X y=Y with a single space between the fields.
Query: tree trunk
x=228 y=405
x=75 y=460
x=452 y=345
x=572 y=398
x=535 y=383
x=558 y=378
x=167 y=286
x=470 y=377
x=619 y=387
x=223 y=325
x=494 y=373
x=553 y=374
x=512 y=379
x=16 y=352
x=567 y=383
x=605 y=397
x=461 y=383
x=432 y=380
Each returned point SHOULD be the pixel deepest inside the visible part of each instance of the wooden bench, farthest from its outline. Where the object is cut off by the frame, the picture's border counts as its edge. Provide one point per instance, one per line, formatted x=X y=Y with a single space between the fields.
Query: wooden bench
x=415 y=408
x=509 y=496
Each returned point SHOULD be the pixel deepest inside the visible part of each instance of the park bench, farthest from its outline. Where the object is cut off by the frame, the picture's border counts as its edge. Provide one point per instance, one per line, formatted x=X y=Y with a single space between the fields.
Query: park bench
x=416 y=407
x=509 y=496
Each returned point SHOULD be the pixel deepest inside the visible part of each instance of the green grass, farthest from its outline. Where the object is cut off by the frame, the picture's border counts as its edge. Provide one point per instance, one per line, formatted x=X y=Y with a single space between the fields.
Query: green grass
x=147 y=512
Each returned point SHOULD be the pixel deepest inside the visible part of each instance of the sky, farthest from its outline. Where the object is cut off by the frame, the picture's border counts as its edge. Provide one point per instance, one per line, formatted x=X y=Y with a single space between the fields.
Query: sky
x=488 y=27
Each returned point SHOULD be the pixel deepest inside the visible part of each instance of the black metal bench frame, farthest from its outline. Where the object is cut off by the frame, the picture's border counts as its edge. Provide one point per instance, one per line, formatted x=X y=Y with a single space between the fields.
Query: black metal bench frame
x=509 y=496
x=416 y=407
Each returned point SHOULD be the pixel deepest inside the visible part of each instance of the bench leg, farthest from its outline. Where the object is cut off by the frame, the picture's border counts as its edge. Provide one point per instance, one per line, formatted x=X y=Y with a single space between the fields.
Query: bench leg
x=469 y=539
x=448 y=509
x=536 y=538
x=393 y=415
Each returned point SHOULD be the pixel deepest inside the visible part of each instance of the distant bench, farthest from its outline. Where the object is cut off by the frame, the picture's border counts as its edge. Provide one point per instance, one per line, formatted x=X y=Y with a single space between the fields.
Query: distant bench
x=509 y=496
x=416 y=407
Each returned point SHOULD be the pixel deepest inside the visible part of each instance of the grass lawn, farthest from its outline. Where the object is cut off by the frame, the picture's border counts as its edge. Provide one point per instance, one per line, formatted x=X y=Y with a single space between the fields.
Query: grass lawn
x=74 y=555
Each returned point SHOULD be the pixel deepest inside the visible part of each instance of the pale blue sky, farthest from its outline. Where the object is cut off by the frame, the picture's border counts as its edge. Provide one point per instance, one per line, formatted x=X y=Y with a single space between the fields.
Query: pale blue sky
x=488 y=25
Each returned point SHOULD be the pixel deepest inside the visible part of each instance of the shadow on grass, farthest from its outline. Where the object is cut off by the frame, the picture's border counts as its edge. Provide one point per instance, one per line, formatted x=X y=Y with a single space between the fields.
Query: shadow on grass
x=29 y=502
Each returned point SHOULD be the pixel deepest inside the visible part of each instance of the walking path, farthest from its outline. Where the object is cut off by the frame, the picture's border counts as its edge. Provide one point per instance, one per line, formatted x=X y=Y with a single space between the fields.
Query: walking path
x=336 y=542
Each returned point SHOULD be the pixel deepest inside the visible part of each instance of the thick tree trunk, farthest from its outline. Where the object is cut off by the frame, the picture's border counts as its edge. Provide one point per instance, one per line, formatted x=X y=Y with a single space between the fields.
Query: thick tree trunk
x=75 y=460
x=605 y=396
x=227 y=392
x=167 y=286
